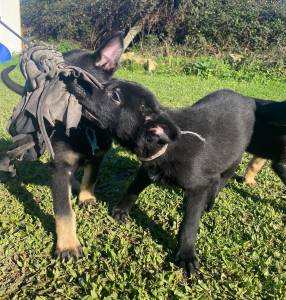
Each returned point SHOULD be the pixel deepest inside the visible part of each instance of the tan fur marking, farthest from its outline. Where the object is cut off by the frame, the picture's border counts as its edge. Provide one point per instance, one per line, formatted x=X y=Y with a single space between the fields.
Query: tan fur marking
x=66 y=233
x=254 y=166
x=86 y=195
x=70 y=157
x=87 y=187
x=86 y=174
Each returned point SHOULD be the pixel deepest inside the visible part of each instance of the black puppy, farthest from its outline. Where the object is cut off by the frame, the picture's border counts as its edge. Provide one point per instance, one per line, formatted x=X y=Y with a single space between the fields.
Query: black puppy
x=197 y=148
x=85 y=146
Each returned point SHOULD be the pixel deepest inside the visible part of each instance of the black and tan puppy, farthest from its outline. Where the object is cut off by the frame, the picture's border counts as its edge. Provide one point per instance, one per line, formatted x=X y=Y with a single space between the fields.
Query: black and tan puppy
x=85 y=146
x=197 y=148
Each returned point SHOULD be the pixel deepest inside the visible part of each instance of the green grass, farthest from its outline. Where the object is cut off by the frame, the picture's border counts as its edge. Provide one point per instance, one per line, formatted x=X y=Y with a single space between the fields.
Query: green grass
x=241 y=244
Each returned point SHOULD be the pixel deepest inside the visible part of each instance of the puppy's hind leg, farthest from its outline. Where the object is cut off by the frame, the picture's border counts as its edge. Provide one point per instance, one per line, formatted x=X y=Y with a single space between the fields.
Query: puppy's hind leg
x=63 y=167
x=253 y=167
x=86 y=194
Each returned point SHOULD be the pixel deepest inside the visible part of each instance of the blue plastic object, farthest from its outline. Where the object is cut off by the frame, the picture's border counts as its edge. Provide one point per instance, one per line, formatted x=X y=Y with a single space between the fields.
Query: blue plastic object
x=5 y=54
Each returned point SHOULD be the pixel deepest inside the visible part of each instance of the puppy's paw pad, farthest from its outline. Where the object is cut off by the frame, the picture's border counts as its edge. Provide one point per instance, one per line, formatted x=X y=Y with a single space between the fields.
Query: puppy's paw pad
x=119 y=214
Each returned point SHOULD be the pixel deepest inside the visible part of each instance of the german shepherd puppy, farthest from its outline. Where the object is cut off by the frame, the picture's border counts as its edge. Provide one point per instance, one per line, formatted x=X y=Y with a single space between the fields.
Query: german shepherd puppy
x=197 y=148
x=76 y=150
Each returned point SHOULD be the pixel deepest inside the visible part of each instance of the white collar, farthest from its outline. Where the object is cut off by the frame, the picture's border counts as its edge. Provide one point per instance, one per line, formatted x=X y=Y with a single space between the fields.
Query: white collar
x=164 y=148
x=156 y=155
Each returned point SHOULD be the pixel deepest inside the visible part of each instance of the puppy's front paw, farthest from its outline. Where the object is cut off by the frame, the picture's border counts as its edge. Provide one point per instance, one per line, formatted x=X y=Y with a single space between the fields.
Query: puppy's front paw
x=119 y=214
x=250 y=181
x=66 y=253
x=187 y=260
x=86 y=198
x=68 y=244
x=89 y=201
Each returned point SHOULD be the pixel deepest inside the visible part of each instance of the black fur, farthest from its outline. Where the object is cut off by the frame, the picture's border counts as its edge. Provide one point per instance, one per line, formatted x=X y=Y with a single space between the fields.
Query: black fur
x=75 y=150
x=230 y=124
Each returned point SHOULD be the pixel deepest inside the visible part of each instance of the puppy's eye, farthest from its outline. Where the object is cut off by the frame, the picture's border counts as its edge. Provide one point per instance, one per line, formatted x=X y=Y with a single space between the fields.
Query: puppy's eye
x=115 y=97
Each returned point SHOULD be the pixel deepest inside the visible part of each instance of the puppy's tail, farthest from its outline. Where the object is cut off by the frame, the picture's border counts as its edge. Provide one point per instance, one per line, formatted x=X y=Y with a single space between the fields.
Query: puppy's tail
x=14 y=86
x=273 y=113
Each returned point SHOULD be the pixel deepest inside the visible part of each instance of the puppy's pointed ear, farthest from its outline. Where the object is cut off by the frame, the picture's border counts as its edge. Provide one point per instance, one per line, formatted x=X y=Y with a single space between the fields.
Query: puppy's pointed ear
x=109 y=53
x=162 y=129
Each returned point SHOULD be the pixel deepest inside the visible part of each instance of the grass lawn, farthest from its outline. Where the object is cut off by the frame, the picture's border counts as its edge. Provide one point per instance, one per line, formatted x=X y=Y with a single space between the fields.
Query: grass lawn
x=241 y=244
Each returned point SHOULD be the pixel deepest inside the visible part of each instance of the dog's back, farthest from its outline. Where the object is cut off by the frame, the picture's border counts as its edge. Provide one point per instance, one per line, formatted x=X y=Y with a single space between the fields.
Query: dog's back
x=226 y=120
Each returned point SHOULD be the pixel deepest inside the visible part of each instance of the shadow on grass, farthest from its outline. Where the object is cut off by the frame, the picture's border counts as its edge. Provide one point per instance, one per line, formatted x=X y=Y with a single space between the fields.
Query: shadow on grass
x=277 y=206
x=28 y=173
x=255 y=198
x=124 y=169
x=38 y=173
